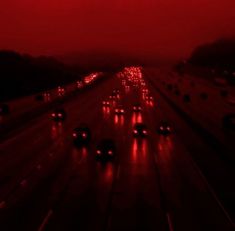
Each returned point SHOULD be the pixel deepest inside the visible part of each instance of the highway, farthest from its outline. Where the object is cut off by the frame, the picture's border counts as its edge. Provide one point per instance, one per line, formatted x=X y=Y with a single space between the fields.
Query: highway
x=172 y=183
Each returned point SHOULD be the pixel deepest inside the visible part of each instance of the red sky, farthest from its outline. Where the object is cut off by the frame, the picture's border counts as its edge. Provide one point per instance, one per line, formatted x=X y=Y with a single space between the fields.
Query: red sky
x=169 y=27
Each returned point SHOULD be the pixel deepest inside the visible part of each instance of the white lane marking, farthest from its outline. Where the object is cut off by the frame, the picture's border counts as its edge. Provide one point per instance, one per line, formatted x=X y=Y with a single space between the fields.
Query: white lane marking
x=45 y=220
x=2 y=205
x=170 y=224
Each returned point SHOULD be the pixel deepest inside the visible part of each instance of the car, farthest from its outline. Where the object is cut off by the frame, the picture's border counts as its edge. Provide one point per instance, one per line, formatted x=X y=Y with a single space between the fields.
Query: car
x=106 y=149
x=164 y=128
x=137 y=108
x=106 y=103
x=58 y=114
x=119 y=110
x=148 y=98
x=4 y=109
x=61 y=91
x=116 y=91
x=229 y=122
x=140 y=130
x=113 y=96
x=79 y=84
x=81 y=135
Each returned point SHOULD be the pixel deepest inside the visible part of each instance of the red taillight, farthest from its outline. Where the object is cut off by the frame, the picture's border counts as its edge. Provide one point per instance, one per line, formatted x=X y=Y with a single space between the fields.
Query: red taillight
x=134 y=108
x=53 y=114
x=145 y=132
x=116 y=110
x=168 y=128
x=122 y=111
x=139 y=108
x=59 y=115
x=98 y=152
x=74 y=135
x=110 y=152
x=161 y=128
x=135 y=131
x=84 y=135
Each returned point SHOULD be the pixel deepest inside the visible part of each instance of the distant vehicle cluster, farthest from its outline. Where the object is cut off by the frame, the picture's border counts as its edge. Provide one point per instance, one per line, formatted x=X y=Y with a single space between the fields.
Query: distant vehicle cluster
x=106 y=149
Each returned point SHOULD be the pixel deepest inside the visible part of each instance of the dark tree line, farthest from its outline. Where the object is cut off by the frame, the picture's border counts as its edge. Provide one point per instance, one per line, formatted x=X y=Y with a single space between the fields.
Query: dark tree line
x=24 y=75
x=219 y=55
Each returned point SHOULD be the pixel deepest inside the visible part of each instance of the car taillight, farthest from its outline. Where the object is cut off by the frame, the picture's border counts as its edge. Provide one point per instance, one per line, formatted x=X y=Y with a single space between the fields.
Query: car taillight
x=116 y=110
x=53 y=114
x=84 y=135
x=59 y=115
x=161 y=128
x=98 y=152
x=122 y=111
x=134 y=108
x=145 y=132
x=139 y=108
x=168 y=128
x=110 y=152
x=135 y=131
x=74 y=135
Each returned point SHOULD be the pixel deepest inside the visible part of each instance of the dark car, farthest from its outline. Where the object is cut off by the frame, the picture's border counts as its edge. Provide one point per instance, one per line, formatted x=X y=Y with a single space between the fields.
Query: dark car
x=137 y=108
x=106 y=103
x=113 y=96
x=229 y=122
x=140 y=130
x=4 y=109
x=164 y=128
x=119 y=110
x=58 y=115
x=116 y=91
x=106 y=149
x=81 y=135
x=148 y=98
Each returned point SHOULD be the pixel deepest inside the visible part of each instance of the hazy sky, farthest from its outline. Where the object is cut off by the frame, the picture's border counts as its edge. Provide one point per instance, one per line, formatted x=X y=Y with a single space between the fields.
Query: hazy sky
x=169 y=27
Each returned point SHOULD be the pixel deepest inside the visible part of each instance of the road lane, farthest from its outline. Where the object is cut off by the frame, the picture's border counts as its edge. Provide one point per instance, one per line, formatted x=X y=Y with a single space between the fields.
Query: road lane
x=153 y=183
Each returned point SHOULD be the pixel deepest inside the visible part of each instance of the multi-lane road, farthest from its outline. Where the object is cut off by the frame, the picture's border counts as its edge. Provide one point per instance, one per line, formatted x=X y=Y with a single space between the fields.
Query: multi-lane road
x=155 y=183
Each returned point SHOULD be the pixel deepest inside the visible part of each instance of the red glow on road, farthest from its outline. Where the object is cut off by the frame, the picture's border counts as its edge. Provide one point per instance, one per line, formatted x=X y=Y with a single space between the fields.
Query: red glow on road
x=165 y=146
x=78 y=155
x=139 y=150
x=134 y=151
x=56 y=130
x=136 y=118
x=109 y=170
x=144 y=148
x=106 y=112
x=119 y=120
